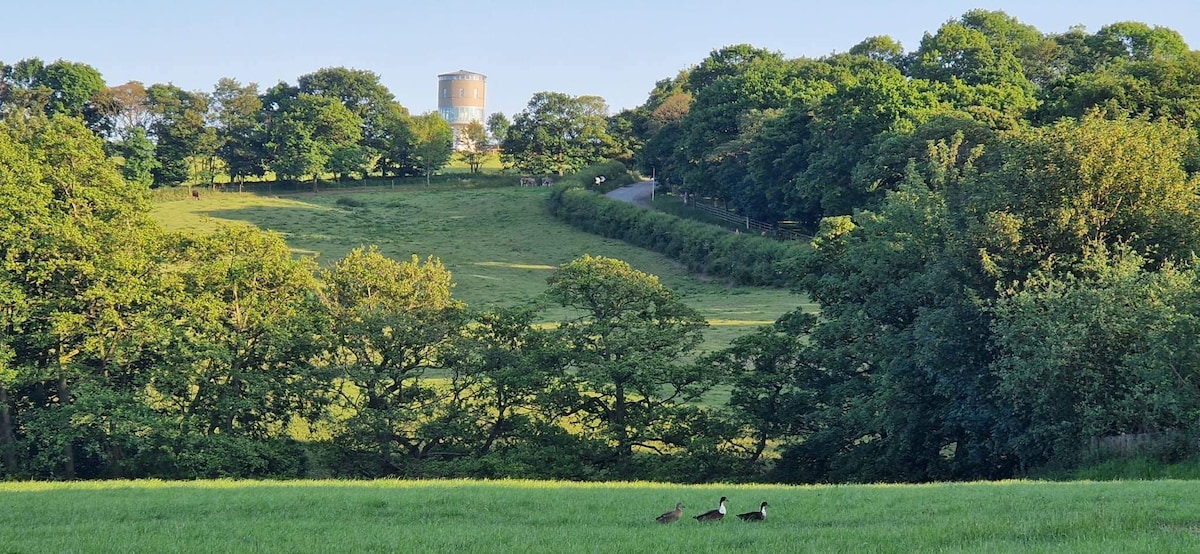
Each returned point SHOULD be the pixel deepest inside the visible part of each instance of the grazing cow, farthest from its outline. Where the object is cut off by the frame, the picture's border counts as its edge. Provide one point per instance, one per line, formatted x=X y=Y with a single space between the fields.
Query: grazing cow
x=546 y=181
x=195 y=194
x=528 y=181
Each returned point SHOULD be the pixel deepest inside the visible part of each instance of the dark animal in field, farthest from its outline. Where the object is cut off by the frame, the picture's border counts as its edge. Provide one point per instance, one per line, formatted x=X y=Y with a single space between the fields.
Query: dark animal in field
x=713 y=515
x=672 y=515
x=760 y=515
x=195 y=195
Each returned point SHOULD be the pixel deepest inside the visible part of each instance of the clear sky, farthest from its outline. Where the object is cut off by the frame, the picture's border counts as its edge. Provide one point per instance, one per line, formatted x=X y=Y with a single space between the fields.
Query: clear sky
x=616 y=49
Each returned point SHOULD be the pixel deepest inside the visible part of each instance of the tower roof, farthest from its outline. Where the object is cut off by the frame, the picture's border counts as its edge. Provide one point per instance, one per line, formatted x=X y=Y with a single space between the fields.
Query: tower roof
x=461 y=72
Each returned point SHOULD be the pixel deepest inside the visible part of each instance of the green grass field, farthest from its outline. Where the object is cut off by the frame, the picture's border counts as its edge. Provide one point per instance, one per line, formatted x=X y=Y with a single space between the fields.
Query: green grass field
x=528 y=517
x=500 y=244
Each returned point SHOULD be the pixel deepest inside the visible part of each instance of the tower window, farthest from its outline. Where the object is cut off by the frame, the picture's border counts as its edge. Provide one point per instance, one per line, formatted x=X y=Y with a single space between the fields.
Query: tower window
x=462 y=93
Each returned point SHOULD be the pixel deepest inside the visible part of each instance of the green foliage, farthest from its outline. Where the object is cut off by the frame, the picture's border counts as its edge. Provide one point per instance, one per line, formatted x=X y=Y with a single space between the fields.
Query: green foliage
x=433 y=143
x=72 y=232
x=392 y=323
x=239 y=133
x=237 y=360
x=557 y=133
x=1096 y=352
x=178 y=129
x=139 y=163
x=743 y=258
x=309 y=132
x=615 y=174
x=477 y=147
x=624 y=353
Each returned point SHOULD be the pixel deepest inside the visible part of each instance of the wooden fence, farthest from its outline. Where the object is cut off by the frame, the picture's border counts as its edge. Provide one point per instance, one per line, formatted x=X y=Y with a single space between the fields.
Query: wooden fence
x=751 y=224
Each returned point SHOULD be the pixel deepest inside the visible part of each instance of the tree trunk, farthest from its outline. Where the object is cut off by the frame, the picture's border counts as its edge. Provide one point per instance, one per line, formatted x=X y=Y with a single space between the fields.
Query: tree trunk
x=7 y=442
x=624 y=450
x=64 y=398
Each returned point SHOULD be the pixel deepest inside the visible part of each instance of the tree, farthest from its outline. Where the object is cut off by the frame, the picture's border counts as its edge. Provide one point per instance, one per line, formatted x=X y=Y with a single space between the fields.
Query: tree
x=1130 y=40
x=137 y=151
x=557 y=133
x=178 y=130
x=625 y=350
x=726 y=62
x=123 y=107
x=880 y=48
x=779 y=388
x=349 y=160
x=724 y=116
x=476 y=146
x=434 y=143
x=239 y=360
x=239 y=134
x=1104 y=350
x=963 y=52
x=510 y=373
x=360 y=91
x=1065 y=187
x=308 y=132
x=395 y=142
x=497 y=126
x=392 y=323
x=63 y=87
x=72 y=86
x=78 y=275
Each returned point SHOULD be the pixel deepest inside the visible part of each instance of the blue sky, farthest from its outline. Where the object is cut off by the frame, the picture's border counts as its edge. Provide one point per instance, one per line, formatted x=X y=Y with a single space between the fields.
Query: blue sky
x=615 y=49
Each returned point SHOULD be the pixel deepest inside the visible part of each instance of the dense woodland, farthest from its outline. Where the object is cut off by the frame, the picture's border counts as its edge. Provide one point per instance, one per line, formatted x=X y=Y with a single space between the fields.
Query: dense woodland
x=1005 y=261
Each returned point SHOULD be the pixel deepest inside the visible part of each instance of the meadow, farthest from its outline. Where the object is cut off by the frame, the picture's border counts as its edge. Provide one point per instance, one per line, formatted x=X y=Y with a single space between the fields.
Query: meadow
x=498 y=243
x=528 y=517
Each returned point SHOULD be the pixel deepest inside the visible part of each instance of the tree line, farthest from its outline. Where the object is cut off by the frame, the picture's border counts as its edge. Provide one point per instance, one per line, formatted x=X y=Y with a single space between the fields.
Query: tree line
x=127 y=351
x=1007 y=225
x=335 y=121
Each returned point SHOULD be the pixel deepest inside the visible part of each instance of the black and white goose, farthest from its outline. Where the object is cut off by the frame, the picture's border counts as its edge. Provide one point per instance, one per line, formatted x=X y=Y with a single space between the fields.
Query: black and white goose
x=713 y=515
x=760 y=515
x=672 y=515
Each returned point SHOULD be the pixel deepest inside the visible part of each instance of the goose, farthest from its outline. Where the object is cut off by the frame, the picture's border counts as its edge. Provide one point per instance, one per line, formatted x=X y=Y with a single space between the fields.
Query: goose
x=713 y=515
x=672 y=515
x=760 y=515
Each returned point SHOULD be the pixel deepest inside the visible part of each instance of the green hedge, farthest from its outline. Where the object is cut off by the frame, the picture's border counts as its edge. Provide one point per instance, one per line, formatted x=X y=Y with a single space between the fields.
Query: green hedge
x=746 y=259
x=615 y=174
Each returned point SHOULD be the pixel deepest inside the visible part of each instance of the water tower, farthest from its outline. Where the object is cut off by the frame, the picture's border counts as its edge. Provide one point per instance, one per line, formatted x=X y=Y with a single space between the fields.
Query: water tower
x=461 y=98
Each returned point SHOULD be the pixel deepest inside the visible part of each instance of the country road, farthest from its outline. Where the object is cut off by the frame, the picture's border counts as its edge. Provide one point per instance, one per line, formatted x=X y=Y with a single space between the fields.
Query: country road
x=638 y=193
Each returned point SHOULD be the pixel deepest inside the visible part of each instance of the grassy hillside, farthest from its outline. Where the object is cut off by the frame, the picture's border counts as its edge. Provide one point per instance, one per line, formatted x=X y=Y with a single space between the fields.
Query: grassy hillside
x=528 y=517
x=499 y=243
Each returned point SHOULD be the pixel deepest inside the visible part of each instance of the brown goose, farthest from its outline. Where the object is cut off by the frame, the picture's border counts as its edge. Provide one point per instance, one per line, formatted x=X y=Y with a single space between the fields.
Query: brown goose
x=672 y=515
x=713 y=515
x=760 y=515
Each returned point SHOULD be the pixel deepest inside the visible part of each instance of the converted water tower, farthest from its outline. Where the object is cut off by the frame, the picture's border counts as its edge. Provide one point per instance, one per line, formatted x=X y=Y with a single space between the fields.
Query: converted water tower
x=460 y=100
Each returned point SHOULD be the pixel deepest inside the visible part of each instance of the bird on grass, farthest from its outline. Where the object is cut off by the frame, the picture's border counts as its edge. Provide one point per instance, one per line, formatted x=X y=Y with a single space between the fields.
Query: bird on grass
x=672 y=515
x=760 y=515
x=713 y=515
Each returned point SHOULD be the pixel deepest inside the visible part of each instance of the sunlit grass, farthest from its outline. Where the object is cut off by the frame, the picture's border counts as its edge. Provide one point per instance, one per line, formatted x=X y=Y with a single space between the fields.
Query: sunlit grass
x=543 y=516
x=500 y=244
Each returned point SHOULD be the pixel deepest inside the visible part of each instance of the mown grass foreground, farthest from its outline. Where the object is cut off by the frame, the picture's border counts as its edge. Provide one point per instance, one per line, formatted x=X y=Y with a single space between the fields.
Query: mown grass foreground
x=524 y=516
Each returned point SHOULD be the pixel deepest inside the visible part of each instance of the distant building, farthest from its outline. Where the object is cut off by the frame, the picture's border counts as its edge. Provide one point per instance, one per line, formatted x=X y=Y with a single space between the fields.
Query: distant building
x=461 y=98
